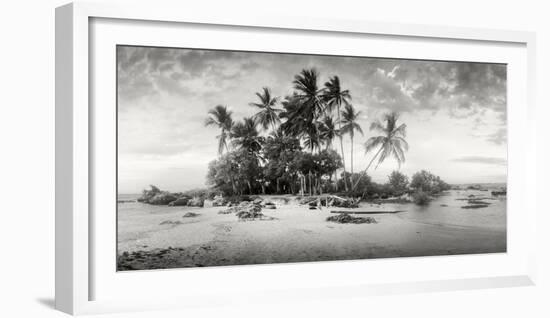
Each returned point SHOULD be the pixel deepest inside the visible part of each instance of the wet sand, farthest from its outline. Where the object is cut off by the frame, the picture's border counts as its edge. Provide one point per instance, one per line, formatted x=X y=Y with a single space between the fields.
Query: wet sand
x=294 y=234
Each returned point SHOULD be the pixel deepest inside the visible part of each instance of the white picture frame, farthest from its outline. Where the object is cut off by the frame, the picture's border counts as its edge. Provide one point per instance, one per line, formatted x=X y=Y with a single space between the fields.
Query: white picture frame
x=76 y=252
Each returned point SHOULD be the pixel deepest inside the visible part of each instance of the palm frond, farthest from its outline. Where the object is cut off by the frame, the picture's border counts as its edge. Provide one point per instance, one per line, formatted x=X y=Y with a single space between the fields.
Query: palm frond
x=374 y=142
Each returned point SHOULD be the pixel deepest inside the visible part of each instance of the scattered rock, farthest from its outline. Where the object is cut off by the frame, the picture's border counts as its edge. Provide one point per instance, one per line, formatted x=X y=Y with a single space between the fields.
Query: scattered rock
x=346 y=218
x=475 y=206
x=219 y=201
x=196 y=202
x=249 y=211
x=247 y=215
x=190 y=215
x=170 y=222
x=270 y=207
x=181 y=201
x=443 y=205
x=162 y=198
x=148 y=194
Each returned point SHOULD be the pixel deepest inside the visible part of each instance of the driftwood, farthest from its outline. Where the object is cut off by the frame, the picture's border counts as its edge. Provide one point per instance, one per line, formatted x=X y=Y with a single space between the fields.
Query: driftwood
x=368 y=212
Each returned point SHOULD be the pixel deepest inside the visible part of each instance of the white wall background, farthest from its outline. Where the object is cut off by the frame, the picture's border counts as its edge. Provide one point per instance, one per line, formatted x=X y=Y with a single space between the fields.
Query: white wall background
x=27 y=158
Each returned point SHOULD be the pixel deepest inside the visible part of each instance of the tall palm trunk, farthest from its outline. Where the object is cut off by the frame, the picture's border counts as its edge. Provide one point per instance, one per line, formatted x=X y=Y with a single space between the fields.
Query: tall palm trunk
x=335 y=171
x=309 y=177
x=342 y=150
x=351 y=162
x=249 y=186
x=233 y=186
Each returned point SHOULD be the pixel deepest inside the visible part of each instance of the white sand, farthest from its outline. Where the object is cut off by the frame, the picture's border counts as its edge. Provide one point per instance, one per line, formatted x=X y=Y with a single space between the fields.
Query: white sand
x=296 y=234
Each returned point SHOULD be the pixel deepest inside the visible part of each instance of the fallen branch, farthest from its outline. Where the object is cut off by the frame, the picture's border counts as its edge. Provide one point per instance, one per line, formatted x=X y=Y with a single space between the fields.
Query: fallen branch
x=368 y=212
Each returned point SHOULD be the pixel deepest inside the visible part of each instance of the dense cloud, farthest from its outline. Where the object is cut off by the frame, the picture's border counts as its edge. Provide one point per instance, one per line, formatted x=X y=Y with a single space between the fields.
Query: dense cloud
x=462 y=89
x=164 y=94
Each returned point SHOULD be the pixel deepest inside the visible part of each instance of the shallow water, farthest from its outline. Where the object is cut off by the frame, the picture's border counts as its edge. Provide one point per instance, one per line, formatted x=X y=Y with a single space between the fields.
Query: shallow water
x=447 y=210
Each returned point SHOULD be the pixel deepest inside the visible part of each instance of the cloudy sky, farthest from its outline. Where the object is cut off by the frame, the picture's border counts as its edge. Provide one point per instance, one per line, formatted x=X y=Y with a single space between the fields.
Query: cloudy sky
x=455 y=112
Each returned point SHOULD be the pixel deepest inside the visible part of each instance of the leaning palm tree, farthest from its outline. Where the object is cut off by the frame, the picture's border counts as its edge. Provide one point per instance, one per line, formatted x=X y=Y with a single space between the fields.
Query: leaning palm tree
x=220 y=117
x=335 y=97
x=268 y=114
x=350 y=126
x=391 y=142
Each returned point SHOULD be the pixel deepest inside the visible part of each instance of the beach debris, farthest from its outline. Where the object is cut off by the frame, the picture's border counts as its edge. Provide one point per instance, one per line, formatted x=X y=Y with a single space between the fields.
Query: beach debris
x=498 y=193
x=190 y=215
x=478 y=201
x=170 y=222
x=475 y=206
x=443 y=205
x=369 y=212
x=347 y=218
x=328 y=201
x=394 y=200
x=307 y=200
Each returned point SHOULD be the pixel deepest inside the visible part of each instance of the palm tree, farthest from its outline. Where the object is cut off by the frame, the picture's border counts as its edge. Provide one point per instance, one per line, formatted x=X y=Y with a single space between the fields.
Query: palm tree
x=268 y=114
x=327 y=134
x=328 y=131
x=221 y=118
x=309 y=94
x=246 y=136
x=391 y=142
x=308 y=109
x=335 y=97
x=350 y=126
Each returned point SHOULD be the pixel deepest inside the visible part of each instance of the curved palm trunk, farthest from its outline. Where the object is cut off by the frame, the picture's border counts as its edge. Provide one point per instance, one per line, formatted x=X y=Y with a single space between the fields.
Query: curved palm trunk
x=342 y=151
x=367 y=168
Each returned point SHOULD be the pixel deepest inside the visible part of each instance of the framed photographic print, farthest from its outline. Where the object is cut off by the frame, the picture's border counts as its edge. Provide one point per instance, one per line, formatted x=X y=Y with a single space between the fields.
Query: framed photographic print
x=299 y=159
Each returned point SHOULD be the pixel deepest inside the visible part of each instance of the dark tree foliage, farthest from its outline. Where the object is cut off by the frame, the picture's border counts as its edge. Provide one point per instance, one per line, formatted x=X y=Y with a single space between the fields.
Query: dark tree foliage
x=398 y=182
x=427 y=182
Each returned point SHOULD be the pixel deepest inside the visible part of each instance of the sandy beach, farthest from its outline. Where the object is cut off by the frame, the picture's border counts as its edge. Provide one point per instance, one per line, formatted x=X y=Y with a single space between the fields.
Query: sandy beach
x=153 y=237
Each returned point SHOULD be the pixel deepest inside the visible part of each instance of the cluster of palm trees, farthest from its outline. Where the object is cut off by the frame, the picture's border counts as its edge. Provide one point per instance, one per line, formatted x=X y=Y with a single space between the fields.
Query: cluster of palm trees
x=316 y=115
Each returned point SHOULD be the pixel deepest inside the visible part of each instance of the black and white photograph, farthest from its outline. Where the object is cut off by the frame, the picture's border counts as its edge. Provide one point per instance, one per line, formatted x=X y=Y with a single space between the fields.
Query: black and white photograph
x=240 y=158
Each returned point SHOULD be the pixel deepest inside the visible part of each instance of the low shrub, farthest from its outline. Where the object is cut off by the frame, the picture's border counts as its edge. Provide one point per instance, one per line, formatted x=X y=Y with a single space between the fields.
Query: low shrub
x=421 y=198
